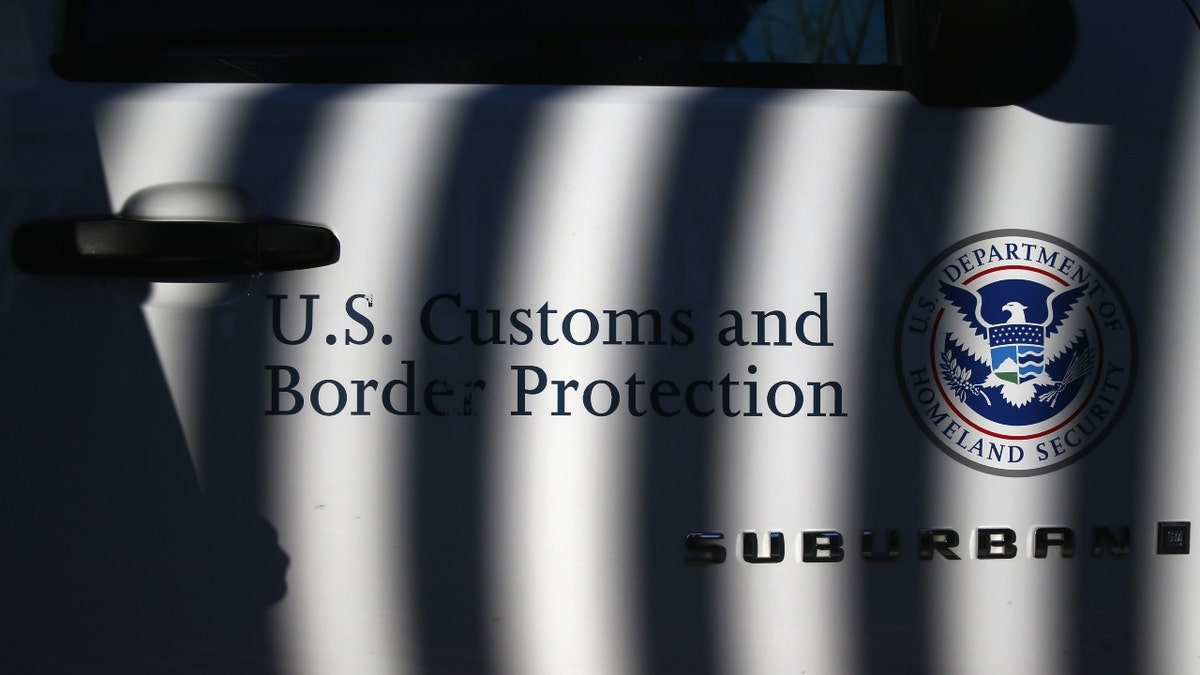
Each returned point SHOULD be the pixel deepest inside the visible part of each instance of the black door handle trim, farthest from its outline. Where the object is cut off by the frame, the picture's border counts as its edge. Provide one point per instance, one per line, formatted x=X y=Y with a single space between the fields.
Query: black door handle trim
x=128 y=247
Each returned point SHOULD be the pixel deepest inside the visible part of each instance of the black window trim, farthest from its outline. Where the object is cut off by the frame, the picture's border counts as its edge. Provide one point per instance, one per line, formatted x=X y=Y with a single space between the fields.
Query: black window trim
x=74 y=62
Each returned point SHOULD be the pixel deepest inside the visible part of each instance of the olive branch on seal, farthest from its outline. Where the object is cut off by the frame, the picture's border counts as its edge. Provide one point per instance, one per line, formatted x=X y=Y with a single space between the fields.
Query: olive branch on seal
x=959 y=379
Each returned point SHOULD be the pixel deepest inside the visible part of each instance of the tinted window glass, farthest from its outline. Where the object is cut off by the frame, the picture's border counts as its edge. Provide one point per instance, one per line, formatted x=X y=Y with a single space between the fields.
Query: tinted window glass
x=755 y=31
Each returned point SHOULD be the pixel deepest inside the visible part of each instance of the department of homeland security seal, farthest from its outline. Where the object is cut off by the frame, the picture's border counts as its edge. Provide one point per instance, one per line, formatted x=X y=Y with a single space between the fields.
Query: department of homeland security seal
x=1016 y=352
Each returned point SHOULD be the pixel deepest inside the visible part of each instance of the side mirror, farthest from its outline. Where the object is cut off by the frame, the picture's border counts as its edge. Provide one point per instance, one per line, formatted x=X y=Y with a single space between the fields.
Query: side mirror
x=983 y=52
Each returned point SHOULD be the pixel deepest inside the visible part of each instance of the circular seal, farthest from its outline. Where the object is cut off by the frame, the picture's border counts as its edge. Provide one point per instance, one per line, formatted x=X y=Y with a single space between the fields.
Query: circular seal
x=1016 y=352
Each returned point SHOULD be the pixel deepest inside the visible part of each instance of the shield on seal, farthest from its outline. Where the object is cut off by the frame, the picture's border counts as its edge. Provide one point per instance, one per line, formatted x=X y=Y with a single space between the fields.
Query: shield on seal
x=1018 y=351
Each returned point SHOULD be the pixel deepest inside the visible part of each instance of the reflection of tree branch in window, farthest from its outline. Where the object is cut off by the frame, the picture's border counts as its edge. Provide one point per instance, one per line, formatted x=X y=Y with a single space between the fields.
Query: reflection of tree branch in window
x=813 y=31
x=862 y=31
x=826 y=27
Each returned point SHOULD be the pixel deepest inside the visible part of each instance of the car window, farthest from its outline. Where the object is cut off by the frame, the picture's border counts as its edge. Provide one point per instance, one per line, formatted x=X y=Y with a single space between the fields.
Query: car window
x=716 y=42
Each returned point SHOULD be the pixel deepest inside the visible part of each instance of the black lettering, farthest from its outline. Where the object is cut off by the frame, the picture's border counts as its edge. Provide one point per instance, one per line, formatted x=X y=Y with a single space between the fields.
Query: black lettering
x=433 y=390
x=315 y=398
x=819 y=409
x=277 y=318
x=278 y=388
x=822 y=317
x=682 y=335
x=593 y=325
x=614 y=398
x=409 y=385
x=750 y=548
x=822 y=547
x=524 y=389
x=666 y=389
x=427 y=318
x=781 y=328
x=522 y=327
x=492 y=322
x=890 y=553
x=1103 y=538
x=941 y=541
x=995 y=543
x=358 y=318
x=732 y=334
x=360 y=396
x=702 y=548
x=635 y=321
x=1045 y=537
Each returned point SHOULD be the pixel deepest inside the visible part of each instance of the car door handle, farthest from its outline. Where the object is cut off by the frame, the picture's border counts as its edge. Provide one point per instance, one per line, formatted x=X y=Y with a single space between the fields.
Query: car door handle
x=122 y=246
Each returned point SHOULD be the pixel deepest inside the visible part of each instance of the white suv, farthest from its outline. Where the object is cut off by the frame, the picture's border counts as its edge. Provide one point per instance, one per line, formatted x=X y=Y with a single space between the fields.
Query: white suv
x=777 y=336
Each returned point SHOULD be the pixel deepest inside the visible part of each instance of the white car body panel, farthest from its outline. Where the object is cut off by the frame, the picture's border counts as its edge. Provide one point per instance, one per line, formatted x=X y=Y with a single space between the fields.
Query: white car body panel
x=491 y=541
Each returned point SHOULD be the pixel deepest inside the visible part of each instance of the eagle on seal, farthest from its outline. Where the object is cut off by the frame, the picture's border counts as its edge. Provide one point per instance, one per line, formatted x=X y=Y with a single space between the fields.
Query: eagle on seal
x=1018 y=350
